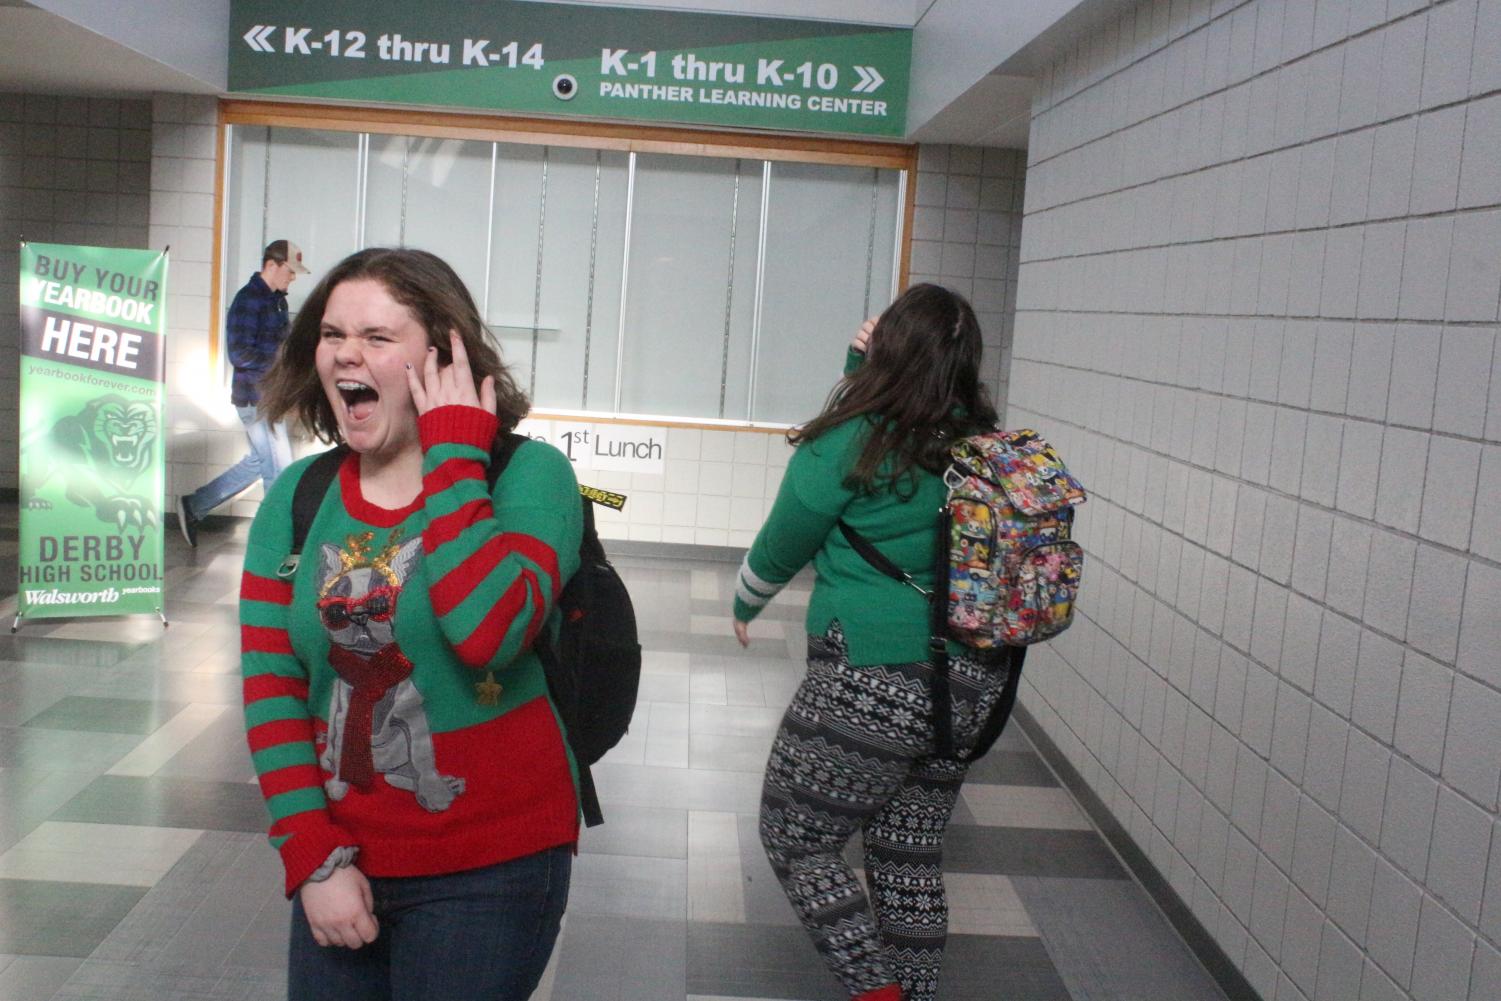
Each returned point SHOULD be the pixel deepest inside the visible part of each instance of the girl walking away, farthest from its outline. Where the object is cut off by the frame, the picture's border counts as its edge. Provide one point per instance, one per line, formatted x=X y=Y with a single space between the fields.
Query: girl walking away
x=421 y=795
x=856 y=748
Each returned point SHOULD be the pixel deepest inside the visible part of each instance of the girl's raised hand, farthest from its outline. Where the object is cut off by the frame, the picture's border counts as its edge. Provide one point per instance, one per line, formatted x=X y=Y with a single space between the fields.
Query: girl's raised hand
x=451 y=385
x=860 y=343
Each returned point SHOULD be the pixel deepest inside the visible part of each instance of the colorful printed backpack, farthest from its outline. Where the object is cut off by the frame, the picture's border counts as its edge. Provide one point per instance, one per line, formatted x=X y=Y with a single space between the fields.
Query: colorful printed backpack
x=1013 y=571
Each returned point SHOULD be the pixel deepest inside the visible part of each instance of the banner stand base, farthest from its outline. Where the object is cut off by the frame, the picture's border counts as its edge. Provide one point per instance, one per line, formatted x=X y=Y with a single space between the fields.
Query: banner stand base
x=15 y=626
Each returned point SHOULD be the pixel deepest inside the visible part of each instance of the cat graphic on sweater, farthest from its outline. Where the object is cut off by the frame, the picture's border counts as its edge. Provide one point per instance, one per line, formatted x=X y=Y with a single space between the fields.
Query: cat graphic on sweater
x=376 y=719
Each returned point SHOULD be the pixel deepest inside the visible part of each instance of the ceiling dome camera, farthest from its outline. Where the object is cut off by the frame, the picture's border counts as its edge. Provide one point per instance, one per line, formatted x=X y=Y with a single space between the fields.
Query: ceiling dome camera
x=565 y=87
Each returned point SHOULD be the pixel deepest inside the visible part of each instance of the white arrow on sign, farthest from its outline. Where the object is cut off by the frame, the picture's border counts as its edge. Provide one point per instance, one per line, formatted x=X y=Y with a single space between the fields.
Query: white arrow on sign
x=869 y=79
x=257 y=37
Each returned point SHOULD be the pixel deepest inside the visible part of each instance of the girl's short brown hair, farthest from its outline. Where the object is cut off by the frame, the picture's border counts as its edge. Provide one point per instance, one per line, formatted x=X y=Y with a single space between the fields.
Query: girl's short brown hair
x=423 y=283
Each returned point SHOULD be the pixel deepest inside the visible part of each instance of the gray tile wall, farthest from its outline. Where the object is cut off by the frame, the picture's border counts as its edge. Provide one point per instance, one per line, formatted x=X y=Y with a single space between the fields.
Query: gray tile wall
x=966 y=235
x=204 y=434
x=1257 y=312
x=72 y=170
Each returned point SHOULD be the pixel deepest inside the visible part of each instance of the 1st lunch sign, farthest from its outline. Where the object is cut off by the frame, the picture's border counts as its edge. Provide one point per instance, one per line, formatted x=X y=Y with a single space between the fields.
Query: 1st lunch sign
x=571 y=59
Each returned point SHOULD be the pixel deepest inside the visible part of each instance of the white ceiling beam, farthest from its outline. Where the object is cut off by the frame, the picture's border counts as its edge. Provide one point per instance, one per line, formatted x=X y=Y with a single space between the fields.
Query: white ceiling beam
x=957 y=43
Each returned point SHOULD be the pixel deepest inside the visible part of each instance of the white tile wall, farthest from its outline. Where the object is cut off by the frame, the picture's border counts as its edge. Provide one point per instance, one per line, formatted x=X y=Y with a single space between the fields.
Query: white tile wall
x=1259 y=294
x=72 y=170
x=204 y=435
x=966 y=235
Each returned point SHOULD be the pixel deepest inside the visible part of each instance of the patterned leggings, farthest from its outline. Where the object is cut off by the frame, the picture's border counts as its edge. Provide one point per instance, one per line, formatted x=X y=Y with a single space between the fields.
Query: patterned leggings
x=855 y=752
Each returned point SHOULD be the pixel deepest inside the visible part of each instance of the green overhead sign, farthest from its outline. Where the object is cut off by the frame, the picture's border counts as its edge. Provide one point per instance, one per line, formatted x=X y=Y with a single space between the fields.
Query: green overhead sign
x=578 y=60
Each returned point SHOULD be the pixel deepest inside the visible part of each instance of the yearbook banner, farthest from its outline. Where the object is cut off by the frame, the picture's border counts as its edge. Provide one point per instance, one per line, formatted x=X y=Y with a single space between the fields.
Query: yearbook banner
x=572 y=59
x=93 y=322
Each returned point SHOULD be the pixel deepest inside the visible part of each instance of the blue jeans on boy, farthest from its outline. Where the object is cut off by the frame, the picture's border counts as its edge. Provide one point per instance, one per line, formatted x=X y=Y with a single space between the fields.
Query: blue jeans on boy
x=485 y=933
x=270 y=453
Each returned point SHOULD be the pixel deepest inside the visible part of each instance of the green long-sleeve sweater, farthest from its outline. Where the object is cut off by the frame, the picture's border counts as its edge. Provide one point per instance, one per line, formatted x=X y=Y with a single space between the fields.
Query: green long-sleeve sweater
x=392 y=700
x=884 y=622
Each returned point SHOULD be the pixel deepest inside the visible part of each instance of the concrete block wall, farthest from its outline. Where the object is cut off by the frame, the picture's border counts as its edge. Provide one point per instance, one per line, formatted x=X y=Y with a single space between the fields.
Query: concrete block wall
x=1257 y=313
x=204 y=435
x=72 y=170
x=966 y=235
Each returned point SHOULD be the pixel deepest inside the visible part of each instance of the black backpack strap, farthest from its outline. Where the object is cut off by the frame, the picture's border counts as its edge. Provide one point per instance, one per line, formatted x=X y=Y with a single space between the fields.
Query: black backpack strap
x=938 y=644
x=938 y=647
x=588 y=798
x=308 y=496
x=991 y=731
x=870 y=554
x=501 y=450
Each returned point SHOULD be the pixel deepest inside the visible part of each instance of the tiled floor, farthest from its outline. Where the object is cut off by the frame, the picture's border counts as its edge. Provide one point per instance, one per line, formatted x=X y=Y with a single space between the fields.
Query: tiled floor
x=133 y=864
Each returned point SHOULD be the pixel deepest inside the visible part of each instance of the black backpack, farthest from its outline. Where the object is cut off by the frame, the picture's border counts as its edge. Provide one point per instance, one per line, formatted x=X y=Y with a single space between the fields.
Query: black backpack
x=595 y=670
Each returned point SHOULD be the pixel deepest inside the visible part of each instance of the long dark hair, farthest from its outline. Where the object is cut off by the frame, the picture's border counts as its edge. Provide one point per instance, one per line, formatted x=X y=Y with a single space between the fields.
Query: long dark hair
x=423 y=283
x=919 y=387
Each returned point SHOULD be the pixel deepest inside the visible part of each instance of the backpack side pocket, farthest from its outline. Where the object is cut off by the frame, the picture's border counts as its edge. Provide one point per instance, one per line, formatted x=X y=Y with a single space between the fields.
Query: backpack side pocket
x=1041 y=597
x=976 y=592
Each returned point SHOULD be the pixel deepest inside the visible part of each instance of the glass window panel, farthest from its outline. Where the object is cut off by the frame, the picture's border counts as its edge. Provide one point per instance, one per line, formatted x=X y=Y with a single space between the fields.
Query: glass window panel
x=827 y=267
x=580 y=307
x=311 y=199
x=695 y=240
x=690 y=215
x=246 y=200
x=431 y=194
x=513 y=302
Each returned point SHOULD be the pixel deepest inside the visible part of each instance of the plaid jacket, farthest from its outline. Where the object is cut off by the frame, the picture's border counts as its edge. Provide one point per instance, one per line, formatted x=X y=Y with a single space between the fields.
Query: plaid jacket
x=254 y=329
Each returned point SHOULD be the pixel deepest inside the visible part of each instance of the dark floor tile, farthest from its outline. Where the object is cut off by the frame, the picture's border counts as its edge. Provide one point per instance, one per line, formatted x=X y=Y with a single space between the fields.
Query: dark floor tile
x=765 y=901
x=27 y=689
x=34 y=978
x=677 y=788
x=655 y=832
x=1011 y=768
x=629 y=886
x=1081 y=922
x=985 y=968
x=162 y=802
x=218 y=754
x=263 y=946
x=1012 y=739
x=780 y=962
x=729 y=754
x=757 y=961
x=151 y=681
x=34 y=747
x=116 y=715
x=45 y=918
x=222 y=874
x=70 y=652
x=1019 y=851
x=620 y=959
x=31 y=795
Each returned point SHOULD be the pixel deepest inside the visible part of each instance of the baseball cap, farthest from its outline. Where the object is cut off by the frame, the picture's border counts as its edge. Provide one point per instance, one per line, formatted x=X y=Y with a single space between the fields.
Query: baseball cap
x=285 y=252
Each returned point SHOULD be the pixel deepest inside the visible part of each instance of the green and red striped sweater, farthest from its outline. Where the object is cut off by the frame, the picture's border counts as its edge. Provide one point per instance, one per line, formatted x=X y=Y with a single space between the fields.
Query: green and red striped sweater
x=392 y=700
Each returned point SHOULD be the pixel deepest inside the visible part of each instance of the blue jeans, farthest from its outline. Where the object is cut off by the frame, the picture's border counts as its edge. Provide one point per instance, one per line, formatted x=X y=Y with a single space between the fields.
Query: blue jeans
x=485 y=934
x=270 y=453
